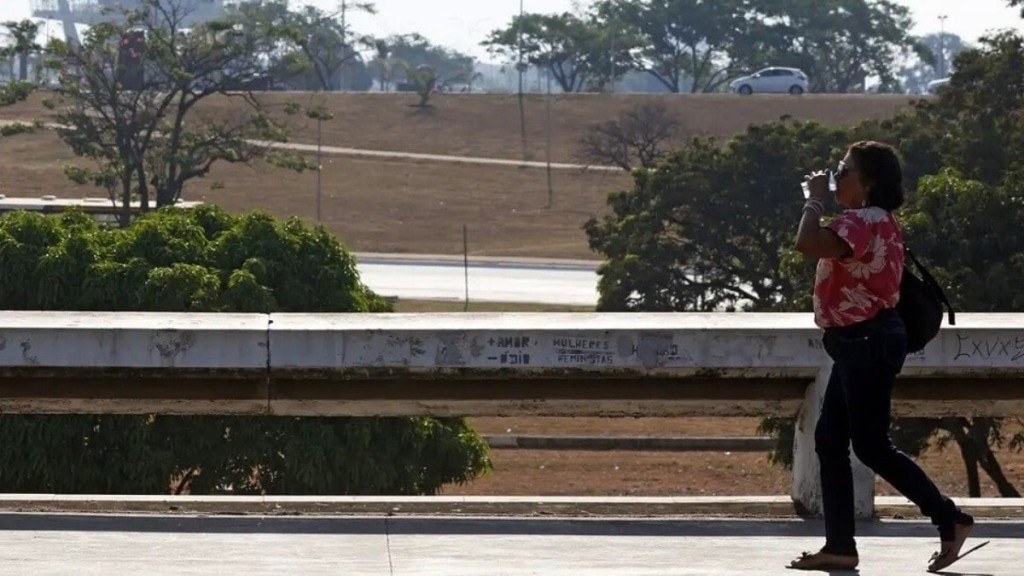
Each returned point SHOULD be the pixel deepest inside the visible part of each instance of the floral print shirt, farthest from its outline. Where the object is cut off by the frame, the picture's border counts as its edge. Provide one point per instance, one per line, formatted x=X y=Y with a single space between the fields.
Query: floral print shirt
x=854 y=289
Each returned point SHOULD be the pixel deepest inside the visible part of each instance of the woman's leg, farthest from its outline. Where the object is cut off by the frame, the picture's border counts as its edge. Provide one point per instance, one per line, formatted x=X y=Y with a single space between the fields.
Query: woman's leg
x=867 y=389
x=832 y=443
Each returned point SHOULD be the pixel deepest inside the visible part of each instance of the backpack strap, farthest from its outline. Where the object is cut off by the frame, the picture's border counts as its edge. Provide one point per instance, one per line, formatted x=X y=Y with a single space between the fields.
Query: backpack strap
x=930 y=280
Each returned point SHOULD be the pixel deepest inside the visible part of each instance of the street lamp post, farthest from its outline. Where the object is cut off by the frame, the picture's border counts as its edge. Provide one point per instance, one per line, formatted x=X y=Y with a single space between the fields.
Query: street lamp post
x=319 y=169
x=321 y=114
x=942 y=45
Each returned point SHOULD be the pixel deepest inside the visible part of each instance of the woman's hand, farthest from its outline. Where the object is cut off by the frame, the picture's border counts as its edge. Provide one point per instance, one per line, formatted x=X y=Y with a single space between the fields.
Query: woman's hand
x=817 y=183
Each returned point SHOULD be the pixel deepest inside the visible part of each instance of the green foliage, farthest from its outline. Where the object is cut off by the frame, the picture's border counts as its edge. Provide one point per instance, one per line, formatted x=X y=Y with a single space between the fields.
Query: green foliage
x=576 y=51
x=394 y=53
x=424 y=79
x=711 y=227
x=314 y=49
x=687 y=45
x=23 y=34
x=141 y=126
x=703 y=230
x=15 y=91
x=935 y=53
x=13 y=129
x=838 y=43
x=970 y=234
x=982 y=109
x=204 y=260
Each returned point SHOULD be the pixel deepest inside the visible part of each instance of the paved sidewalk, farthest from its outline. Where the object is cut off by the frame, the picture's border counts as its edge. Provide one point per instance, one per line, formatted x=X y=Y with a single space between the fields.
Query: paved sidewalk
x=43 y=544
x=390 y=154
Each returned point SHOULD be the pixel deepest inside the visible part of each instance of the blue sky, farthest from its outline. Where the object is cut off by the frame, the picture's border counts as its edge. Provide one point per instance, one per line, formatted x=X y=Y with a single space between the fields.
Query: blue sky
x=462 y=24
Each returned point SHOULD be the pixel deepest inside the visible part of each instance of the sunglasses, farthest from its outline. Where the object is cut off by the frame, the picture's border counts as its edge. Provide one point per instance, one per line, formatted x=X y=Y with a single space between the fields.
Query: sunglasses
x=841 y=170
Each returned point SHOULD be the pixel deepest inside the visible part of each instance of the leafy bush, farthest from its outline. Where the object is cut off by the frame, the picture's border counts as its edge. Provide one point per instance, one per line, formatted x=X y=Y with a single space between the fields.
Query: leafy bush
x=204 y=260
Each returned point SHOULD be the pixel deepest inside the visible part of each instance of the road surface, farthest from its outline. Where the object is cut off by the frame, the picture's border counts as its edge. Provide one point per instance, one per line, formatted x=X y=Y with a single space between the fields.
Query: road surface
x=408 y=546
x=440 y=278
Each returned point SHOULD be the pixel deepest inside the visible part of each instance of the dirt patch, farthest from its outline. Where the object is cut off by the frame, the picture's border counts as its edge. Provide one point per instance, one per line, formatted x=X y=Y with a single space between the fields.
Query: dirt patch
x=544 y=473
x=375 y=205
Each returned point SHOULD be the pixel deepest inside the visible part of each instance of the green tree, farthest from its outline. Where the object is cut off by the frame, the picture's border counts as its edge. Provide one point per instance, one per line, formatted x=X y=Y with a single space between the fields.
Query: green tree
x=968 y=232
x=964 y=213
x=24 y=44
x=24 y=35
x=639 y=137
x=328 y=41
x=687 y=45
x=981 y=111
x=712 y=225
x=385 y=62
x=705 y=229
x=204 y=260
x=317 y=51
x=423 y=80
x=838 y=43
x=934 y=61
x=129 y=95
x=413 y=50
x=577 y=51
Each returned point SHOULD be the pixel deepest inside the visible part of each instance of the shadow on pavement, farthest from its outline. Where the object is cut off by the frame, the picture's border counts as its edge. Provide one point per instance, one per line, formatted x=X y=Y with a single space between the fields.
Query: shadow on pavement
x=475 y=526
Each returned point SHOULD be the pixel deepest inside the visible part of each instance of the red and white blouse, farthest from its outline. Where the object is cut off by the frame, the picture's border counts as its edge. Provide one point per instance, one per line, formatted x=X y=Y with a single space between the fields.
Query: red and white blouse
x=854 y=289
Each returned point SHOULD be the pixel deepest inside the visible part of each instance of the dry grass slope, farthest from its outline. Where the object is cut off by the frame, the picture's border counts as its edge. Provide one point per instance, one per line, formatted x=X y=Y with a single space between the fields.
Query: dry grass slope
x=386 y=205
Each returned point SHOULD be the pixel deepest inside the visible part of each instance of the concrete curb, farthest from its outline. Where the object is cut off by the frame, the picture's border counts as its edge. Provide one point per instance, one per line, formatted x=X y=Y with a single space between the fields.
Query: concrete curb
x=470 y=506
x=631 y=443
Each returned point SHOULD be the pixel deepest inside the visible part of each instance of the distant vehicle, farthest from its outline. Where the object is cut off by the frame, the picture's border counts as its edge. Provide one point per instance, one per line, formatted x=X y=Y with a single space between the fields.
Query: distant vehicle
x=774 y=80
x=933 y=86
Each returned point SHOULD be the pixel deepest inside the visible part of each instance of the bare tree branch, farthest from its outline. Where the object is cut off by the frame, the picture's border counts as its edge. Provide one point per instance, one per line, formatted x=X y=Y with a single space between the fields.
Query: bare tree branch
x=639 y=137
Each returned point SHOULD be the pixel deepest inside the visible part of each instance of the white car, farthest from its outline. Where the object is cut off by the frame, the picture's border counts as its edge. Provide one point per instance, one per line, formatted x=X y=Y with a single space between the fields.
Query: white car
x=772 y=81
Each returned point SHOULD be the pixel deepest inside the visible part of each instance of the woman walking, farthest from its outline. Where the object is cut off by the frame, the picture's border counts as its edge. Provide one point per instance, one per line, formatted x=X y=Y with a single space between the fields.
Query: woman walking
x=856 y=288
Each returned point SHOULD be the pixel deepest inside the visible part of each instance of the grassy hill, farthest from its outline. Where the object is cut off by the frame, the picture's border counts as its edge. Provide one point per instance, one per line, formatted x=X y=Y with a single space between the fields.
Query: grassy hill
x=394 y=205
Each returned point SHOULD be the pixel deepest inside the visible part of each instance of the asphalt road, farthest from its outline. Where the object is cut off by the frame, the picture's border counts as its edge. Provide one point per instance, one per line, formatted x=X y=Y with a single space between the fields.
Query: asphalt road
x=439 y=278
x=254 y=546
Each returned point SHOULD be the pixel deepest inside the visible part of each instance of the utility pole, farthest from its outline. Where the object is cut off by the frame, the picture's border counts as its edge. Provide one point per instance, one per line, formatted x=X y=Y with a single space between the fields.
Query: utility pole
x=942 y=45
x=519 y=67
x=547 y=123
x=611 y=59
x=319 y=169
x=320 y=113
x=344 y=43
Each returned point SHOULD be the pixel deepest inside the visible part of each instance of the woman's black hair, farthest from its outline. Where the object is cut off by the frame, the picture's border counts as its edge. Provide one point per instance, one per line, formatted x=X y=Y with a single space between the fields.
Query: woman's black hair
x=879 y=166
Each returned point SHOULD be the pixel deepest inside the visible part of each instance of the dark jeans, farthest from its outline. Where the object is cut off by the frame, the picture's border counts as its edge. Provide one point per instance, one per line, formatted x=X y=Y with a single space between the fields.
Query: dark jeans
x=867 y=357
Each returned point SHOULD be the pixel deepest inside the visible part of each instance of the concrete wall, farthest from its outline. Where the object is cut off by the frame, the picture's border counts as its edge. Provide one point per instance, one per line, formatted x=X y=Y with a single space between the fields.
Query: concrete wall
x=728 y=345
x=480 y=364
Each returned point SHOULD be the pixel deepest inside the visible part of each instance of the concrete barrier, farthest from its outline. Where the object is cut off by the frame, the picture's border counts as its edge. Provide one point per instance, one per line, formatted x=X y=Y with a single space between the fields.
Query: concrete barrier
x=133 y=363
x=485 y=365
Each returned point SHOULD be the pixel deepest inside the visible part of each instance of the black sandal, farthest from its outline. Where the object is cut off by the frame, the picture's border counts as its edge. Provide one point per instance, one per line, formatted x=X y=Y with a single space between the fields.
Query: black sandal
x=824 y=561
x=950 y=549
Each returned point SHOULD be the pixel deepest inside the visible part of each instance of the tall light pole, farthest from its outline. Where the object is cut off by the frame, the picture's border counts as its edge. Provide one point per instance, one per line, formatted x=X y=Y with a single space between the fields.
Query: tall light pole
x=611 y=61
x=942 y=45
x=321 y=114
x=519 y=67
x=344 y=43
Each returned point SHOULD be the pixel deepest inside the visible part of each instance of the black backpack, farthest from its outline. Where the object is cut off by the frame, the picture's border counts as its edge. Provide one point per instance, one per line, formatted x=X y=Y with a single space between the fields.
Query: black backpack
x=920 y=305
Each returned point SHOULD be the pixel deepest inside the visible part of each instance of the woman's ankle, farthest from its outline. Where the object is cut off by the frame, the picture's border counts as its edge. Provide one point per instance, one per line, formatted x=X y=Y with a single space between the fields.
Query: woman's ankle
x=848 y=550
x=947 y=532
x=964 y=519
